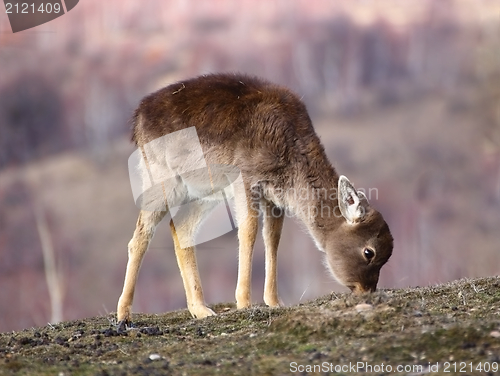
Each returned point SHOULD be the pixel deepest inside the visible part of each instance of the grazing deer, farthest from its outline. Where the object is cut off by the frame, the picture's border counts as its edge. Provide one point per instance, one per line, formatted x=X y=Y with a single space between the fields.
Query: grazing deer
x=265 y=131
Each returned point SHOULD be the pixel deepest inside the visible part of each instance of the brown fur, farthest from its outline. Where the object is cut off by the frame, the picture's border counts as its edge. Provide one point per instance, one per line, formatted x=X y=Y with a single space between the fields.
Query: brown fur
x=266 y=132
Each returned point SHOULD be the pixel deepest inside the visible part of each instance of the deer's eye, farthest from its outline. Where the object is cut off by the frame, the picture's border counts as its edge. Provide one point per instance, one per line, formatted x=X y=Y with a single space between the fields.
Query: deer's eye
x=368 y=253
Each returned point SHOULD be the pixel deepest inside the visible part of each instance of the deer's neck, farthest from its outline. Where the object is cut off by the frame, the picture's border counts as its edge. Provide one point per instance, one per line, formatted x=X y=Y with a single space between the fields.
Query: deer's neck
x=311 y=192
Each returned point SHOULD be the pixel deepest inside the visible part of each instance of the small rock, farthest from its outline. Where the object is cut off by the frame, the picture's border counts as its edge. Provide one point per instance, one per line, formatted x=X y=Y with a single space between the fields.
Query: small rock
x=60 y=341
x=154 y=357
x=315 y=356
x=25 y=341
x=252 y=335
x=468 y=345
x=109 y=332
x=495 y=334
x=151 y=331
x=364 y=307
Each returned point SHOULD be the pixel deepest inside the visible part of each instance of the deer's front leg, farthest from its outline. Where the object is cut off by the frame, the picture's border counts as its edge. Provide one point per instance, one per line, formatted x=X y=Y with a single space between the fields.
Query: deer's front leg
x=273 y=224
x=247 y=232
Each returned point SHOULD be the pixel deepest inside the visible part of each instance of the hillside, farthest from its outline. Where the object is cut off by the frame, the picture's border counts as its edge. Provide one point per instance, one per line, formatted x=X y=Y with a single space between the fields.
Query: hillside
x=404 y=95
x=451 y=325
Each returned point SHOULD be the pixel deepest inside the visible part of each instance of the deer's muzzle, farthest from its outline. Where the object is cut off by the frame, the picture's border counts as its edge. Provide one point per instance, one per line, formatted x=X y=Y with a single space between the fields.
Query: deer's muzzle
x=358 y=288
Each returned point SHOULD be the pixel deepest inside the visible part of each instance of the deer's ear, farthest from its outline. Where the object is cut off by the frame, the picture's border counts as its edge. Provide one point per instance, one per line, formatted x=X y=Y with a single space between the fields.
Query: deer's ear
x=352 y=204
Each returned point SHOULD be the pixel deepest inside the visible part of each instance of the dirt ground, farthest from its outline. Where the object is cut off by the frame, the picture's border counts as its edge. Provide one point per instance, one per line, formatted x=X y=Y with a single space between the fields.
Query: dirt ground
x=446 y=329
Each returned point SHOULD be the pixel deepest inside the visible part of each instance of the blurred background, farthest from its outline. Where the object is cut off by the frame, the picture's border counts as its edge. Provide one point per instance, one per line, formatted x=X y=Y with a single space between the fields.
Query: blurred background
x=405 y=95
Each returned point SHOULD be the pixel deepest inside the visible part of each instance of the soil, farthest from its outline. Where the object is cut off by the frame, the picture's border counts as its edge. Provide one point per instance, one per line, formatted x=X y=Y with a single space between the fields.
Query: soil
x=453 y=327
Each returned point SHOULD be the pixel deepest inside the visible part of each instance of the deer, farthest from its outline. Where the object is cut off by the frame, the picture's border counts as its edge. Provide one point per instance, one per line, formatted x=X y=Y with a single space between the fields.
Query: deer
x=263 y=130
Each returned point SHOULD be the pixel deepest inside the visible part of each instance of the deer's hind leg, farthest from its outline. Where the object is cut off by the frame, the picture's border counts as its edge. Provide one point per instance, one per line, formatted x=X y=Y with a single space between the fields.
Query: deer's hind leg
x=271 y=231
x=247 y=210
x=184 y=227
x=137 y=247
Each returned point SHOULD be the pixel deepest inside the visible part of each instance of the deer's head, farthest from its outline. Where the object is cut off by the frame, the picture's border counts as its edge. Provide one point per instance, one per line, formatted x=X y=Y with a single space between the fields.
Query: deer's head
x=357 y=249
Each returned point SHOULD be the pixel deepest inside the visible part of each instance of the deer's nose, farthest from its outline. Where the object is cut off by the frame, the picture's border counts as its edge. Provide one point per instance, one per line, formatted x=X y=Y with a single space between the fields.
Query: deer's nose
x=358 y=288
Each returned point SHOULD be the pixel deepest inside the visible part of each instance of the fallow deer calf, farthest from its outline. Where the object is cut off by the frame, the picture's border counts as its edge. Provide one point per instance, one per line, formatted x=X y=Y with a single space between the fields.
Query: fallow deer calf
x=265 y=132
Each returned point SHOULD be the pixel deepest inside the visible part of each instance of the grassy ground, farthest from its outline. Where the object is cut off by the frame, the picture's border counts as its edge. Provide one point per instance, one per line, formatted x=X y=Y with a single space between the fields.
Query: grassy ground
x=455 y=327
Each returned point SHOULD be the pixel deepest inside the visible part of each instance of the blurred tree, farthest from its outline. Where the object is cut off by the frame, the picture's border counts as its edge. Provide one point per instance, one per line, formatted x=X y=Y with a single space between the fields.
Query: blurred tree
x=488 y=101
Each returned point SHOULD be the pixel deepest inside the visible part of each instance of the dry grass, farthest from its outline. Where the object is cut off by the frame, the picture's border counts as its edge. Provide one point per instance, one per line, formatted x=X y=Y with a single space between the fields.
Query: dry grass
x=454 y=322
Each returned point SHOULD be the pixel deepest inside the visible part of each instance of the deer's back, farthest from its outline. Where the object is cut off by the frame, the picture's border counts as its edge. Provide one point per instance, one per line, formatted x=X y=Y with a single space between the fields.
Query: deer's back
x=240 y=120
